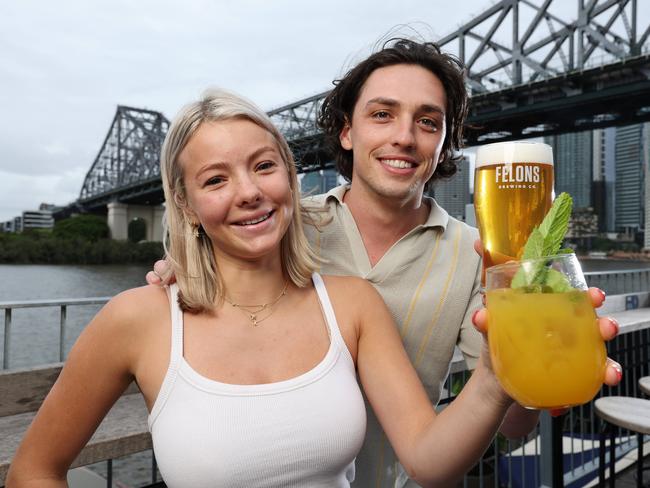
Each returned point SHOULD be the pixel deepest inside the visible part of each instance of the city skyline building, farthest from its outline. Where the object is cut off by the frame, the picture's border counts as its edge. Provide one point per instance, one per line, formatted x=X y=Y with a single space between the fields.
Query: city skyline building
x=37 y=219
x=43 y=218
x=631 y=154
x=604 y=175
x=453 y=194
x=316 y=182
x=573 y=160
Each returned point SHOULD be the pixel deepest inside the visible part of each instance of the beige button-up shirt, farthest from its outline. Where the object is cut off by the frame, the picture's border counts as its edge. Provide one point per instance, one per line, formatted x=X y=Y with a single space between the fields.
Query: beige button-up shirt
x=430 y=280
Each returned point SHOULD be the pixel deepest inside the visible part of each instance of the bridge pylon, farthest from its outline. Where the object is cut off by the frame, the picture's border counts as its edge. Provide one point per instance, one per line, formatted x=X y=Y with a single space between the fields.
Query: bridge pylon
x=121 y=215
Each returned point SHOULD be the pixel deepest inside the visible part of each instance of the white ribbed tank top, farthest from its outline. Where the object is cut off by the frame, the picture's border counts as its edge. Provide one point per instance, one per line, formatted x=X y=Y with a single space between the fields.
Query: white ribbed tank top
x=301 y=432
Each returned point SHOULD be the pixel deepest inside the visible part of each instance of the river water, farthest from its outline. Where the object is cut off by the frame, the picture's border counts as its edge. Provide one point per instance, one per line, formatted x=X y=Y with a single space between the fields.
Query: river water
x=35 y=332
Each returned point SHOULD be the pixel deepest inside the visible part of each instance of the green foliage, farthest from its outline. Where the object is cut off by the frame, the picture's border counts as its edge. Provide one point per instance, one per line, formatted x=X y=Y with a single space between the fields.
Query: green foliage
x=49 y=248
x=86 y=227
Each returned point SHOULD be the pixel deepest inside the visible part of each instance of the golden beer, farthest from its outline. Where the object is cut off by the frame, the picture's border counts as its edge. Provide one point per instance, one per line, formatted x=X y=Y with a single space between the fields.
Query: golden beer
x=513 y=191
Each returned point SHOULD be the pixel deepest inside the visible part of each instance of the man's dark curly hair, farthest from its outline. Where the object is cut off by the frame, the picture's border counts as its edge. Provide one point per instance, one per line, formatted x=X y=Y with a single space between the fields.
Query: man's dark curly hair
x=338 y=106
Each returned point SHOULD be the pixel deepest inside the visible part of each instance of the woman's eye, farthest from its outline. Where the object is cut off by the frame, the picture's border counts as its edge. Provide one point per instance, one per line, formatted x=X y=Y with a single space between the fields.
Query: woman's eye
x=265 y=165
x=214 y=180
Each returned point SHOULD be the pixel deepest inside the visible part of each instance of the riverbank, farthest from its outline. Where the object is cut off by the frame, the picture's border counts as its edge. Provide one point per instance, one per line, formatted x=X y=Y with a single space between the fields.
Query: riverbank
x=46 y=248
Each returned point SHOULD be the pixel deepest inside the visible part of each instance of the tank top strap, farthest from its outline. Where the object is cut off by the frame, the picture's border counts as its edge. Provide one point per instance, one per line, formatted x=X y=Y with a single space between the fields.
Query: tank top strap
x=326 y=304
x=177 y=327
x=175 y=355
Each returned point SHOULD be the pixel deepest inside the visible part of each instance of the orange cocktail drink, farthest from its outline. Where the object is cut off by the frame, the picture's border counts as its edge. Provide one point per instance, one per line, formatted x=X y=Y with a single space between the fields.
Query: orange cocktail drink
x=545 y=346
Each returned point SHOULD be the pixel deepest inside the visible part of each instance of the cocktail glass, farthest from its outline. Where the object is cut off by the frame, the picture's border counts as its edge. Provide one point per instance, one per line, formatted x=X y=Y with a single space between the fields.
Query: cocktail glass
x=545 y=344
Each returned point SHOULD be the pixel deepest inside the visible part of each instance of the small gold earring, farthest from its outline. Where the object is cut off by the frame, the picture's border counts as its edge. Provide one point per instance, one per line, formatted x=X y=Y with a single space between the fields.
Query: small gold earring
x=195 y=230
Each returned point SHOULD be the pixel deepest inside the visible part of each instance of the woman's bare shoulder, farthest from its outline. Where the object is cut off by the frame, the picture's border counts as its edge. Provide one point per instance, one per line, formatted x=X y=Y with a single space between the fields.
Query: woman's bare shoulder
x=138 y=306
x=349 y=283
x=351 y=290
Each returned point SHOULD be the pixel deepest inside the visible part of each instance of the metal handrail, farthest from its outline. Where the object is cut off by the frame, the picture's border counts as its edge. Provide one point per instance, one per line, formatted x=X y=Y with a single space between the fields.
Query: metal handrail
x=621 y=281
x=54 y=303
x=620 y=271
x=63 y=314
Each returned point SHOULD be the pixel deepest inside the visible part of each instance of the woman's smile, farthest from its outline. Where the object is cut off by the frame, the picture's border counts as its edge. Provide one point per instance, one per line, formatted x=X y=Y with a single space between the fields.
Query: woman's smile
x=255 y=220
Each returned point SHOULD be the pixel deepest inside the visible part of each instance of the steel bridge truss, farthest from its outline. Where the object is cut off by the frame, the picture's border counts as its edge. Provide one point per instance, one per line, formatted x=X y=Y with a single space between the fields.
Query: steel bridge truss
x=298 y=124
x=512 y=46
x=530 y=72
x=129 y=157
x=523 y=41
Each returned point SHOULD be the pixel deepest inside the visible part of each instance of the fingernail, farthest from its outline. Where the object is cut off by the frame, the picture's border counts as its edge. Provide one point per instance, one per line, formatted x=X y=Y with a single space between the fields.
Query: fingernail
x=619 y=371
x=614 y=323
x=602 y=293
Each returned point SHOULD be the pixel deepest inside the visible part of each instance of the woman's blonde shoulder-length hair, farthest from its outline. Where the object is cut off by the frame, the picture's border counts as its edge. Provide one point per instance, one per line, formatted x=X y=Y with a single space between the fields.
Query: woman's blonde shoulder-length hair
x=192 y=258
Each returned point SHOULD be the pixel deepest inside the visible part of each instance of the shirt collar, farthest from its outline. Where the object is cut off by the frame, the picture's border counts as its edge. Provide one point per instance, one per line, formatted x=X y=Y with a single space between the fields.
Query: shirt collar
x=438 y=216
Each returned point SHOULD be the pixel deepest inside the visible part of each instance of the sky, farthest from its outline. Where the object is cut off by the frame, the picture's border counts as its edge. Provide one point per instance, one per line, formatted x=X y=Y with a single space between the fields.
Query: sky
x=66 y=65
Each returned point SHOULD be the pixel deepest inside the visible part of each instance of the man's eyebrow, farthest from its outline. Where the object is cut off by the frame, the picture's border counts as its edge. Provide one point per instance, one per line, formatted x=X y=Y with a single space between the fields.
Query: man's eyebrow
x=382 y=101
x=432 y=108
x=391 y=102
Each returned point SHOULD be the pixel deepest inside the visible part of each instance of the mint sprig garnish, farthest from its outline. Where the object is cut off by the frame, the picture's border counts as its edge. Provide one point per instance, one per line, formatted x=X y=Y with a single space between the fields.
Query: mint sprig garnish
x=545 y=241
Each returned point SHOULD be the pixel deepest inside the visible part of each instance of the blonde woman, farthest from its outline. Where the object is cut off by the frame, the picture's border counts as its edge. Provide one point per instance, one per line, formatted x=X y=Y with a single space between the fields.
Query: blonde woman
x=249 y=363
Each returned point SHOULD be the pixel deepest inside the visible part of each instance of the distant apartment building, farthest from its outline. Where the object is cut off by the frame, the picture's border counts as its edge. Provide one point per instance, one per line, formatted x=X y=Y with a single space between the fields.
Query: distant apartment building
x=18 y=224
x=316 y=182
x=8 y=226
x=37 y=219
x=453 y=194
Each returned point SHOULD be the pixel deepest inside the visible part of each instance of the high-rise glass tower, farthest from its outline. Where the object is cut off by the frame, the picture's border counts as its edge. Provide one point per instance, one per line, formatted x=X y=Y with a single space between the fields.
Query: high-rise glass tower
x=631 y=152
x=604 y=174
x=453 y=194
x=316 y=182
x=572 y=155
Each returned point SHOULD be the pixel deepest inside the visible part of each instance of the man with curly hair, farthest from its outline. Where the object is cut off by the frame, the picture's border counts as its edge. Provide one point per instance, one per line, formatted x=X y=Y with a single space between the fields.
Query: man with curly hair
x=395 y=124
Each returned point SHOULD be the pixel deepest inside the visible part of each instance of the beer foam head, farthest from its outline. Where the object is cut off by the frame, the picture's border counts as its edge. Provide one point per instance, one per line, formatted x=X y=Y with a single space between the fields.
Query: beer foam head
x=514 y=152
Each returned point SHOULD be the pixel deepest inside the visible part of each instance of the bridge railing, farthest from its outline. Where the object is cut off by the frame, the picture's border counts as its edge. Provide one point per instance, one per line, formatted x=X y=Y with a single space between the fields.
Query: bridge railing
x=620 y=282
x=62 y=305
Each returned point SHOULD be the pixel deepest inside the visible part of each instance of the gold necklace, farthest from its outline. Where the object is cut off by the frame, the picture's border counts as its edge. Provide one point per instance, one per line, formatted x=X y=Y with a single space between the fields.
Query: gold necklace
x=253 y=311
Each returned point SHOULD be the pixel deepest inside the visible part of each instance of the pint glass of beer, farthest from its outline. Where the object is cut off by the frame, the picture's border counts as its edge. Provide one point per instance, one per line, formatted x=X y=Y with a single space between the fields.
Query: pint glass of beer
x=513 y=191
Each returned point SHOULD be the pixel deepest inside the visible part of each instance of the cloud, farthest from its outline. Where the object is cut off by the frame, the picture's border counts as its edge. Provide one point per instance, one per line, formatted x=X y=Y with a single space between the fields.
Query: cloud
x=56 y=149
x=67 y=65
